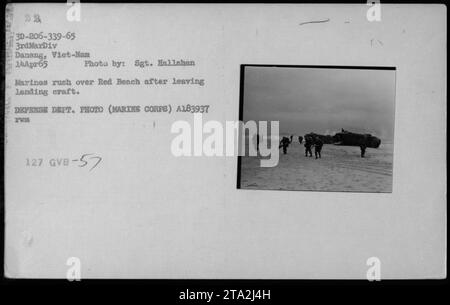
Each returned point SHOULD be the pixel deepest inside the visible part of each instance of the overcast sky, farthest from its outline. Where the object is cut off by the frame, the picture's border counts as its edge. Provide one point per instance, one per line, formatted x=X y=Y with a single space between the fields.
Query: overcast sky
x=321 y=100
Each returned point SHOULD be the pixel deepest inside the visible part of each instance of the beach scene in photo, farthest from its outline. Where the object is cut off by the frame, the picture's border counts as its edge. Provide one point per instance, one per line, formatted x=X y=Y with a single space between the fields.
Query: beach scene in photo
x=336 y=128
x=340 y=169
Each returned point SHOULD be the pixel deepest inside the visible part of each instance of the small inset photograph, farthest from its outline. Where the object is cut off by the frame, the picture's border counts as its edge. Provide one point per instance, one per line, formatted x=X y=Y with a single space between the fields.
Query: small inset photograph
x=335 y=127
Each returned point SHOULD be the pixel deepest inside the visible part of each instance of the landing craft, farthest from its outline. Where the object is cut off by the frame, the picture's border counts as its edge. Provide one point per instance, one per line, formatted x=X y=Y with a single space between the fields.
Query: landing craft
x=325 y=139
x=347 y=138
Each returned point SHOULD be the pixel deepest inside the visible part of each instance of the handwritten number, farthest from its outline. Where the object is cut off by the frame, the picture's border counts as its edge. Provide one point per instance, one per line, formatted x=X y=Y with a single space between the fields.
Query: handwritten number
x=98 y=161
x=82 y=159
x=37 y=18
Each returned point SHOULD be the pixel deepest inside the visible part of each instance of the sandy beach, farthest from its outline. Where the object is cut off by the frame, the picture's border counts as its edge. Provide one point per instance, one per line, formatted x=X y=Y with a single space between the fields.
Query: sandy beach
x=340 y=169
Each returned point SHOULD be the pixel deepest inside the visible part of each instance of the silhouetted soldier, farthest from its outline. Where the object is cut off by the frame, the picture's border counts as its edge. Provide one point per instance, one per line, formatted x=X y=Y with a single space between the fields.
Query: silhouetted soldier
x=363 y=150
x=363 y=145
x=300 y=139
x=318 y=144
x=284 y=143
x=291 y=138
x=308 y=144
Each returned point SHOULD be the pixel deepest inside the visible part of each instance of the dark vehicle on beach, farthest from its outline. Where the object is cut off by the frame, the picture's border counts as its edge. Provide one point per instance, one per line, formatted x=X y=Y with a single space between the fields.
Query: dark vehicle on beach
x=325 y=139
x=347 y=138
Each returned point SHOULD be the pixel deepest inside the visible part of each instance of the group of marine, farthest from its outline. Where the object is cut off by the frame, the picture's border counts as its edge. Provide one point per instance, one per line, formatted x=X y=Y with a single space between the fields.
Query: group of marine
x=310 y=141
x=344 y=138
